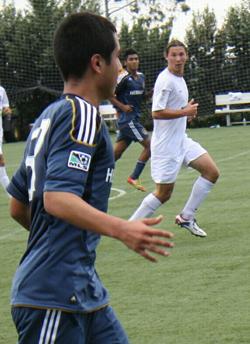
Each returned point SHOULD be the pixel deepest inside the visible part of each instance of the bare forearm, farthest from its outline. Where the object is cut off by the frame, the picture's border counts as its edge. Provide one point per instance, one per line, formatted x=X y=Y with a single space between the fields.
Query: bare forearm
x=190 y=110
x=79 y=213
x=20 y=212
x=116 y=102
x=168 y=114
x=136 y=235
x=123 y=107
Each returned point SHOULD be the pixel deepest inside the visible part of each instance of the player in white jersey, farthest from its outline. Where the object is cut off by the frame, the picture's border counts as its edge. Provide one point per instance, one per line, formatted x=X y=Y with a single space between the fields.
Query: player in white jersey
x=4 y=109
x=170 y=146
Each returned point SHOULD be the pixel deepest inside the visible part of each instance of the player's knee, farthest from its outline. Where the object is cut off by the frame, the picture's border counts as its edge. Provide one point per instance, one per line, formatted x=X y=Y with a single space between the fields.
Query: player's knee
x=117 y=155
x=215 y=175
x=212 y=175
x=163 y=196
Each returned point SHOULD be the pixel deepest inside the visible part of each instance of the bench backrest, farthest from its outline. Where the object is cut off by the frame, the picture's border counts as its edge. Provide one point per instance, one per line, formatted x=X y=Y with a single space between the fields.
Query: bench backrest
x=107 y=109
x=232 y=98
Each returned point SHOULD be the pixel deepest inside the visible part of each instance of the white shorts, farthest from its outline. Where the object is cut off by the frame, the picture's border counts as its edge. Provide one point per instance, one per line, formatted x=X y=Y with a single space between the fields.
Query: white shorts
x=164 y=170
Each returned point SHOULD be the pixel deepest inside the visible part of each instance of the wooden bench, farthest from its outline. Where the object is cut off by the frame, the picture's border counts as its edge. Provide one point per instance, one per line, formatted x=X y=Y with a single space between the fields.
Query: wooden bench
x=233 y=103
x=108 y=112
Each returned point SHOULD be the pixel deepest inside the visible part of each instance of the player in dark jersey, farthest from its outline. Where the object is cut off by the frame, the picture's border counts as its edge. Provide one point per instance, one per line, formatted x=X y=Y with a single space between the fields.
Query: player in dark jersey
x=129 y=94
x=60 y=195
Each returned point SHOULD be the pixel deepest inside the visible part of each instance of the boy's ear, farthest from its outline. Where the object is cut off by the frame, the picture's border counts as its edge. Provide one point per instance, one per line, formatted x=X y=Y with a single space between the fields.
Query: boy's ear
x=96 y=63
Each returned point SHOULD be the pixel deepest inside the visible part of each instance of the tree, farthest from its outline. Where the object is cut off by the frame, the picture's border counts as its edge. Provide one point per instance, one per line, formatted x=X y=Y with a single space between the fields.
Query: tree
x=236 y=31
x=206 y=69
x=28 y=70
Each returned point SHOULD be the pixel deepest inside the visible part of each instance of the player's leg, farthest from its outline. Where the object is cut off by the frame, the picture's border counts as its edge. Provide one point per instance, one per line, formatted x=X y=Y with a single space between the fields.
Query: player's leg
x=119 y=149
x=4 y=179
x=164 y=171
x=121 y=144
x=106 y=328
x=203 y=185
x=141 y=162
x=201 y=161
x=139 y=134
x=153 y=201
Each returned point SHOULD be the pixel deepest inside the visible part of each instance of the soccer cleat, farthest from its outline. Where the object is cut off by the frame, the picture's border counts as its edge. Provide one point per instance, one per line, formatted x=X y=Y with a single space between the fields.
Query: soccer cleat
x=191 y=226
x=136 y=184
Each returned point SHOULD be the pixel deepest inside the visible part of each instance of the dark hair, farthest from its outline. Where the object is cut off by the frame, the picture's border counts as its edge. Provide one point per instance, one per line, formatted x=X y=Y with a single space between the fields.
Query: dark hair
x=128 y=52
x=175 y=43
x=78 y=38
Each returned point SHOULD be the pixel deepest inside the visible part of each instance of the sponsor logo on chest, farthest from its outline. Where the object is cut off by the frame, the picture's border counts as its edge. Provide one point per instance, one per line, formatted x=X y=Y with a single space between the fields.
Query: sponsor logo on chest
x=136 y=92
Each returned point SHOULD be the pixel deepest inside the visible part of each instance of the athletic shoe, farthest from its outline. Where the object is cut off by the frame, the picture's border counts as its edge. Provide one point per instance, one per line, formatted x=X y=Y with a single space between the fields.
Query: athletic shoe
x=191 y=226
x=136 y=184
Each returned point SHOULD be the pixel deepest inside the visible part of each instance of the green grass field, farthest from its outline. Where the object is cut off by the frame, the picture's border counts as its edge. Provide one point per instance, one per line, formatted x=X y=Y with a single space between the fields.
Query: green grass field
x=198 y=295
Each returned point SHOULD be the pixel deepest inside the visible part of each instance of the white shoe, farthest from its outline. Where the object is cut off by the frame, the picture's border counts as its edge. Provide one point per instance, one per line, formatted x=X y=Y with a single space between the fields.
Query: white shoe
x=191 y=226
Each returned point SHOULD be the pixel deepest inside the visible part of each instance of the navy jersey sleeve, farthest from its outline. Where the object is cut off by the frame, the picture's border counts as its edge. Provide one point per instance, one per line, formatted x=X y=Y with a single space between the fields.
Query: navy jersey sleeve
x=71 y=148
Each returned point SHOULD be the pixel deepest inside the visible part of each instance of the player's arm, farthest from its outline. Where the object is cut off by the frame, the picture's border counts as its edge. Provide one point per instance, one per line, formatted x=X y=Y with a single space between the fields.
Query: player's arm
x=20 y=212
x=120 y=88
x=190 y=110
x=123 y=107
x=137 y=235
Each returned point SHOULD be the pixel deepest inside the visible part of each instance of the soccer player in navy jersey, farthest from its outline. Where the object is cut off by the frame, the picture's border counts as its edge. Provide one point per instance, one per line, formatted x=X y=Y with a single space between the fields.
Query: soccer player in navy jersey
x=60 y=195
x=129 y=94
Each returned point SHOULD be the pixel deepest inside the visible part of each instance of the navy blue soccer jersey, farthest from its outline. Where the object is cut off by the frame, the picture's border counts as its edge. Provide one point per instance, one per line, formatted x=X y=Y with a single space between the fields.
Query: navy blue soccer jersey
x=130 y=91
x=68 y=150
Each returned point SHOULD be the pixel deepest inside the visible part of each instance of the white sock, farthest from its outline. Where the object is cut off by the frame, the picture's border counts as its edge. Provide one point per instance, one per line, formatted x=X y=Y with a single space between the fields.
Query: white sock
x=199 y=192
x=147 y=207
x=4 y=179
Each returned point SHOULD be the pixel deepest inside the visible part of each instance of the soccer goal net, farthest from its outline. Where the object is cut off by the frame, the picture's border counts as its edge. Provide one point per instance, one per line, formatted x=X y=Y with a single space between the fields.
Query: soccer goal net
x=219 y=56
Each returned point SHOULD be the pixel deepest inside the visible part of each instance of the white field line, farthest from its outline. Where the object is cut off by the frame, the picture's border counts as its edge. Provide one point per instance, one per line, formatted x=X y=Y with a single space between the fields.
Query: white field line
x=12 y=232
x=190 y=169
x=120 y=193
x=234 y=156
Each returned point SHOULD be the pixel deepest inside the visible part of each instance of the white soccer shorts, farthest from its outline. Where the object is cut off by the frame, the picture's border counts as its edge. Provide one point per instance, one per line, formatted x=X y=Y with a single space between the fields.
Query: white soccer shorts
x=165 y=169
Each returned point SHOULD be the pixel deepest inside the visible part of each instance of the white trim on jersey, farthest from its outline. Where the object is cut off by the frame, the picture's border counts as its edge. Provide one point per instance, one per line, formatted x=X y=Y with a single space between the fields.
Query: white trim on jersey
x=87 y=129
x=135 y=131
x=50 y=326
x=93 y=114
